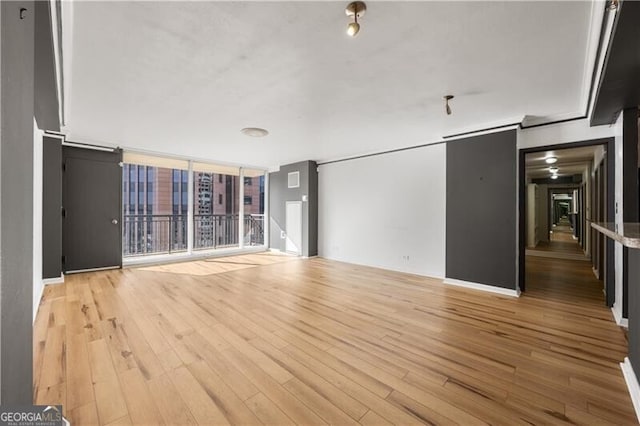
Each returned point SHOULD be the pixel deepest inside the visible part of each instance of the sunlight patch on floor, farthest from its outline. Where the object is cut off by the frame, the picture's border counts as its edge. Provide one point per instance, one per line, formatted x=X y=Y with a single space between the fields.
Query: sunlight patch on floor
x=221 y=265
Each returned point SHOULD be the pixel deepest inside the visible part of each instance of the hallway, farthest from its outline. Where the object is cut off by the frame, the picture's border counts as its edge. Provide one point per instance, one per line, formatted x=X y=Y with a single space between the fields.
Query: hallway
x=564 y=280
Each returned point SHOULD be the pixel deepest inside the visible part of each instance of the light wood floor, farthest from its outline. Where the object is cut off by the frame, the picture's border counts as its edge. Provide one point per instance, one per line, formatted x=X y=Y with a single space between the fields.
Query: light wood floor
x=320 y=342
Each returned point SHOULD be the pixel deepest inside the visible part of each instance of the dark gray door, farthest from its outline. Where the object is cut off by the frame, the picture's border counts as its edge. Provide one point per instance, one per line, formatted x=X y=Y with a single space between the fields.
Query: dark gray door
x=92 y=185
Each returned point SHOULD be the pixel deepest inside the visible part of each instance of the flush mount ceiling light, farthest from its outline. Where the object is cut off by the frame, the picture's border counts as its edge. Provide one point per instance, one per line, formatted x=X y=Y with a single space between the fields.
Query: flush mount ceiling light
x=550 y=160
x=554 y=176
x=356 y=10
x=447 y=108
x=255 y=132
x=553 y=169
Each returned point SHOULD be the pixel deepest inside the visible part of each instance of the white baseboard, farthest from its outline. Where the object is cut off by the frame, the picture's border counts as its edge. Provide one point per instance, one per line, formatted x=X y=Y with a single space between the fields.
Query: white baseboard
x=56 y=280
x=622 y=322
x=482 y=287
x=632 y=384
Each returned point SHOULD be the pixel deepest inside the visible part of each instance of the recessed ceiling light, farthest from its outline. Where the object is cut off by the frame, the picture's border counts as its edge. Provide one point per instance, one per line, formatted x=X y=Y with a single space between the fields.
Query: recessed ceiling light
x=554 y=176
x=551 y=160
x=255 y=132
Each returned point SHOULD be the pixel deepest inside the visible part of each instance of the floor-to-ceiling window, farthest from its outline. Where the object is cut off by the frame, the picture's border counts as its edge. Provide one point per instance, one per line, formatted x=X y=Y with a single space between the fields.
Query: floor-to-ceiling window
x=154 y=201
x=216 y=212
x=160 y=207
x=253 y=201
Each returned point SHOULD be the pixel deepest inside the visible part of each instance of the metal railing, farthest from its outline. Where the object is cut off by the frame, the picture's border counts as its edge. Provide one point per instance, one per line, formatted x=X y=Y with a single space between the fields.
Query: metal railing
x=254 y=230
x=215 y=230
x=154 y=234
x=151 y=234
x=220 y=230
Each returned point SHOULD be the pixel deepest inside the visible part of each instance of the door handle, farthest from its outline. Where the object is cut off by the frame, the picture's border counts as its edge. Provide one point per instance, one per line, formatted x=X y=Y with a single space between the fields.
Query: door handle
x=114 y=221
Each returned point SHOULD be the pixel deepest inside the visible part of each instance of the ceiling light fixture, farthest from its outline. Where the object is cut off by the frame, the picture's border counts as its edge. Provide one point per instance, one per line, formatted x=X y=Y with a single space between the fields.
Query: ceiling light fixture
x=554 y=176
x=255 y=132
x=447 y=108
x=550 y=160
x=553 y=169
x=356 y=10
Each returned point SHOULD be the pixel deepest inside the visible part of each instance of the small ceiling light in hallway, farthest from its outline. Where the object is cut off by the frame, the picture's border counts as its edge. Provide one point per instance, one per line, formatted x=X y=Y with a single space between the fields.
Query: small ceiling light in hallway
x=551 y=160
x=356 y=10
x=554 y=176
x=553 y=169
x=447 y=108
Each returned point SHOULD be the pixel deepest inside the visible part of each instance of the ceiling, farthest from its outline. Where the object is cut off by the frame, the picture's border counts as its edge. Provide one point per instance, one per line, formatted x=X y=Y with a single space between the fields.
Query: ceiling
x=185 y=77
x=571 y=161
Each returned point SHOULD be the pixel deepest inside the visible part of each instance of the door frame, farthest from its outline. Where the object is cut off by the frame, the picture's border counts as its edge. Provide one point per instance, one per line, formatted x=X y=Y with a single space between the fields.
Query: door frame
x=609 y=143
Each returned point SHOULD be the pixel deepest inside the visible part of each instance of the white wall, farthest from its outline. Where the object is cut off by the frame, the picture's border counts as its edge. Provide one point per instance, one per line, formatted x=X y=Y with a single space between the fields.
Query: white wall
x=386 y=211
x=618 y=265
x=38 y=285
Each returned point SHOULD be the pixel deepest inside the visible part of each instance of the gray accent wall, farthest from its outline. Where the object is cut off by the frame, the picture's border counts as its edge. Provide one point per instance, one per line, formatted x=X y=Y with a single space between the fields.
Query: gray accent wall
x=481 y=233
x=51 y=207
x=16 y=210
x=279 y=194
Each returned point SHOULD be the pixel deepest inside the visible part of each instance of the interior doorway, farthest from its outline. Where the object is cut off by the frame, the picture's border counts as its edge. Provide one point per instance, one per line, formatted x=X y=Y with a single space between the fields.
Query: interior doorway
x=563 y=189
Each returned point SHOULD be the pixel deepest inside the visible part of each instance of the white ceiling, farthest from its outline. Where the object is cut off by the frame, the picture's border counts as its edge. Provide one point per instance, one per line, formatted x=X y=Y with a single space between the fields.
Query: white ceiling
x=571 y=161
x=185 y=77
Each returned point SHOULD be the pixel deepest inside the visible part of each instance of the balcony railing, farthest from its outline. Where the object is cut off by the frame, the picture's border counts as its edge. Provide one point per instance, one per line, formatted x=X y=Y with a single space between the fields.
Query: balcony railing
x=154 y=234
x=151 y=234
x=215 y=230
x=254 y=230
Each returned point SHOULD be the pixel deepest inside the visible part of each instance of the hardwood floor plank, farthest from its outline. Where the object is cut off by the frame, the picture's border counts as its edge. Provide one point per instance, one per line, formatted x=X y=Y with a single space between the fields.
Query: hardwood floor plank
x=84 y=415
x=203 y=407
x=269 y=339
x=268 y=413
x=140 y=405
x=173 y=409
x=79 y=385
x=373 y=419
x=227 y=401
x=287 y=402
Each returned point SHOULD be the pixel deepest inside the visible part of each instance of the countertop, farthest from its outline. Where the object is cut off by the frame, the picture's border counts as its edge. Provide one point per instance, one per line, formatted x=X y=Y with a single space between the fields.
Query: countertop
x=628 y=233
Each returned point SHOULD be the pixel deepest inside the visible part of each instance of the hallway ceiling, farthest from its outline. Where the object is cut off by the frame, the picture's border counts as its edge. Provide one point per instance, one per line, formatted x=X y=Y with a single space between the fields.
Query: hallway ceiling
x=571 y=161
x=185 y=77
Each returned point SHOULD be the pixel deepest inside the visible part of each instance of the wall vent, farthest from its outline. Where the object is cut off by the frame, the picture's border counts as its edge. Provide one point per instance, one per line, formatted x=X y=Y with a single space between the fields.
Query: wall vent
x=293 y=180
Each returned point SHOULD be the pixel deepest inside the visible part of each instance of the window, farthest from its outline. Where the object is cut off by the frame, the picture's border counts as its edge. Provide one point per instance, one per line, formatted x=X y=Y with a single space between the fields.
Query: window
x=156 y=202
x=154 y=220
x=215 y=206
